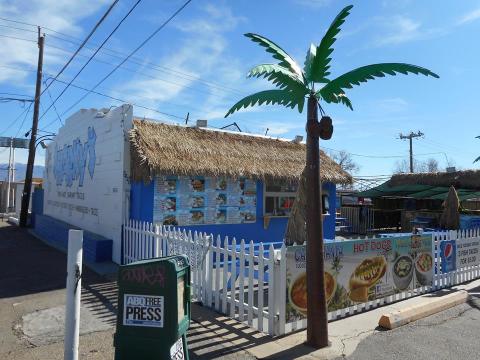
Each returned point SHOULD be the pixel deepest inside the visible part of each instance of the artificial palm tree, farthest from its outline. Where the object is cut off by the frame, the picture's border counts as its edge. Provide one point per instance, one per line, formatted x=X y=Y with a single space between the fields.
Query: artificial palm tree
x=294 y=85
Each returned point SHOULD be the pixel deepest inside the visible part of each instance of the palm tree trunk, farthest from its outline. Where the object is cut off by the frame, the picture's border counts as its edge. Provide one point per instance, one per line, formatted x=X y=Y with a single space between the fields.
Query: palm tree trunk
x=317 y=326
x=296 y=232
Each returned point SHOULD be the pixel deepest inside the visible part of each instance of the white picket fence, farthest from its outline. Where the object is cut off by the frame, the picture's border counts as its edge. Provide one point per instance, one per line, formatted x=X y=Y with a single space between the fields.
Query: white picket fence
x=241 y=280
x=247 y=281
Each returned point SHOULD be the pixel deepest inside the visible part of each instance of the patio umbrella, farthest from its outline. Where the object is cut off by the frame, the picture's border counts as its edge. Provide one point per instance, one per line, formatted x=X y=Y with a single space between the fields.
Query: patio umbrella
x=450 y=218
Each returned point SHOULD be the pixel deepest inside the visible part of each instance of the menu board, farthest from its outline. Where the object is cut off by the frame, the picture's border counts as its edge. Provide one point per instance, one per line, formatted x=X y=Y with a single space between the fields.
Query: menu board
x=358 y=271
x=197 y=200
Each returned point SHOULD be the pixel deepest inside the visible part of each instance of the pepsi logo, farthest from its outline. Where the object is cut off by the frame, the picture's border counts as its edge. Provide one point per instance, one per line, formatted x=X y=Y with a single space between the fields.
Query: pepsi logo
x=447 y=252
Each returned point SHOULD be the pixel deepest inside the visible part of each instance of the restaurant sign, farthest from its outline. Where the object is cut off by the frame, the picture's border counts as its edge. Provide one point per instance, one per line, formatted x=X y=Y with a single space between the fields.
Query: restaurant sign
x=361 y=270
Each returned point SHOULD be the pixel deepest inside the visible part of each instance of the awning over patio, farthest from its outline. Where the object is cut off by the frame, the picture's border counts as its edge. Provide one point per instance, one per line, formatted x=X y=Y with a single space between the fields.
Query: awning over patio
x=417 y=192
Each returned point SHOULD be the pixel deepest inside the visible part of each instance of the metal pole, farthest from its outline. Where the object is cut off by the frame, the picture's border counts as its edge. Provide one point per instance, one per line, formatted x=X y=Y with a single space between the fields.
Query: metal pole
x=411 y=153
x=317 y=325
x=13 y=164
x=9 y=175
x=14 y=188
x=74 y=284
x=27 y=189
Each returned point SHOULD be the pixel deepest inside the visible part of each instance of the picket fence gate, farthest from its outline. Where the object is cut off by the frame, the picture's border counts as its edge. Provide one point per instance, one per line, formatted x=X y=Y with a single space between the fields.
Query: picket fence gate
x=247 y=281
x=241 y=280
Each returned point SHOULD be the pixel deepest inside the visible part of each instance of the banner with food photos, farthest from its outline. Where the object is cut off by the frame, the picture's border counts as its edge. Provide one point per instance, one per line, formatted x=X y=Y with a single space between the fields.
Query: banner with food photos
x=197 y=200
x=358 y=271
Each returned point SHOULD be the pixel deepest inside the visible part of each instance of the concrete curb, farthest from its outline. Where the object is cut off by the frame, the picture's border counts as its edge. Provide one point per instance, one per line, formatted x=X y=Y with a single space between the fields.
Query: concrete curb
x=406 y=315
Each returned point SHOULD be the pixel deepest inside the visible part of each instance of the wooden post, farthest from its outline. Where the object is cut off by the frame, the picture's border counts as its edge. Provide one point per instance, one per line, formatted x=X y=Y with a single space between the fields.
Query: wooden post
x=27 y=189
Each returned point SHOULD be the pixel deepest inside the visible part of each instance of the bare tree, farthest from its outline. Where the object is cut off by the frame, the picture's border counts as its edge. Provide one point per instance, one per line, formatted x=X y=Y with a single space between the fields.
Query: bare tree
x=403 y=166
x=344 y=159
x=432 y=165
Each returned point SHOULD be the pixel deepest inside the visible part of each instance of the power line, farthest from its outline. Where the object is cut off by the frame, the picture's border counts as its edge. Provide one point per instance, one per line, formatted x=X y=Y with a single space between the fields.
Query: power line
x=10 y=99
x=16 y=119
x=17 y=38
x=119 y=100
x=378 y=156
x=17 y=28
x=101 y=94
x=131 y=53
x=14 y=94
x=142 y=73
x=53 y=104
x=99 y=22
x=129 y=70
x=136 y=60
x=93 y=55
x=23 y=121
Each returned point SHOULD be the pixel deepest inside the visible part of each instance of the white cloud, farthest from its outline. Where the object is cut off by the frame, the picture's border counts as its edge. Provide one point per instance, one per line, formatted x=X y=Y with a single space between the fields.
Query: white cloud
x=469 y=17
x=401 y=29
x=391 y=105
x=61 y=15
x=201 y=53
x=313 y=3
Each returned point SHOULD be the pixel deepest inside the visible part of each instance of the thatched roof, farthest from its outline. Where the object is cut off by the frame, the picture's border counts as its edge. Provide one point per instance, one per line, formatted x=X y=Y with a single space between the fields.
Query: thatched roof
x=161 y=149
x=468 y=179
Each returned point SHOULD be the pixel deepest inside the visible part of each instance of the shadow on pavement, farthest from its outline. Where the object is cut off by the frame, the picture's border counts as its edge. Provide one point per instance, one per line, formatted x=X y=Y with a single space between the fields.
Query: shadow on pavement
x=28 y=266
x=212 y=336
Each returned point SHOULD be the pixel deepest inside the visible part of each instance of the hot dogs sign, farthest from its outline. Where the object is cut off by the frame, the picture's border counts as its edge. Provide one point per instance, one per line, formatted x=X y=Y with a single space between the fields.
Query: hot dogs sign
x=361 y=270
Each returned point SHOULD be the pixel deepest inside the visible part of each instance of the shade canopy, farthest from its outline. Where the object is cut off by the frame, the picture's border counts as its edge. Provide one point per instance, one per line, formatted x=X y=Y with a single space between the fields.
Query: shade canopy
x=417 y=191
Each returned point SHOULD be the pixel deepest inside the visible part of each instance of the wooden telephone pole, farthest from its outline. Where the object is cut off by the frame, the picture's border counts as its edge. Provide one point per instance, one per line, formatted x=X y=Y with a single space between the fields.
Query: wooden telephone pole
x=410 y=137
x=27 y=189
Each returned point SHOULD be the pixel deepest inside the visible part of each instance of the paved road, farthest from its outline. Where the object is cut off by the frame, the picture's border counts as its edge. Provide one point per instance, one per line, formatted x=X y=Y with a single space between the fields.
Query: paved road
x=451 y=334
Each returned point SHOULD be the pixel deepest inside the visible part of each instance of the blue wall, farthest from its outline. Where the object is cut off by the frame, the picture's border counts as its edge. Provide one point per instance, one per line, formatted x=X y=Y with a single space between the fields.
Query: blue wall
x=54 y=232
x=141 y=208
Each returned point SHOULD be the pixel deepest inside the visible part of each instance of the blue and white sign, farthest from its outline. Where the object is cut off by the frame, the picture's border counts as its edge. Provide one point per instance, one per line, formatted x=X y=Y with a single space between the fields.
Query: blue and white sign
x=143 y=310
x=448 y=255
x=70 y=160
x=87 y=171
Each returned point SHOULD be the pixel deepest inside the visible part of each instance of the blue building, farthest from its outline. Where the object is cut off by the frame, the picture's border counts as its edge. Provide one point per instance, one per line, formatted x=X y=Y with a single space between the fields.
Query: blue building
x=221 y=182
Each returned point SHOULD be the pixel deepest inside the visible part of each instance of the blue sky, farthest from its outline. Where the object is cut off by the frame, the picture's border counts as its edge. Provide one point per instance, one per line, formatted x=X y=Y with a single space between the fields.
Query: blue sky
x=197 y=65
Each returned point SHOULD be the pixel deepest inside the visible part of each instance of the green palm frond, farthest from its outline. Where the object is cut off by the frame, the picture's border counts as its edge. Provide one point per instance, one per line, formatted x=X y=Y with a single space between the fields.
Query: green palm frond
x=337 y=99
x=307 y=67
x=277 y=52
x=343 y=99
x=271 y=97
x=318 y=65
x=478 y=158
x=362 y=74
x=278 y=75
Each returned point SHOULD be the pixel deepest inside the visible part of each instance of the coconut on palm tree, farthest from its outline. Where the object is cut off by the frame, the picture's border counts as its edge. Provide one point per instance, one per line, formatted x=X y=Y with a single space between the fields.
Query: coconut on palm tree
x=293 y=86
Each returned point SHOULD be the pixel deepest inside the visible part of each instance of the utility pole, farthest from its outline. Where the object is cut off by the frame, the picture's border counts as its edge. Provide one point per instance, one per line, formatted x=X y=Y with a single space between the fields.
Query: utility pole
x=410 y=137
x=9 y=182
x=27 y=189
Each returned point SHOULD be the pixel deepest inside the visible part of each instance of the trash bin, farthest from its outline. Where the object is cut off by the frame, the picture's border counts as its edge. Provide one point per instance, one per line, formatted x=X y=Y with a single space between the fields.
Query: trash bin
x=153 y=309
